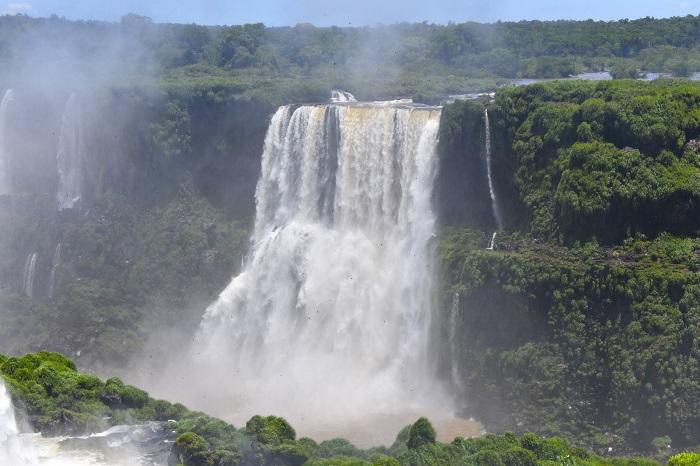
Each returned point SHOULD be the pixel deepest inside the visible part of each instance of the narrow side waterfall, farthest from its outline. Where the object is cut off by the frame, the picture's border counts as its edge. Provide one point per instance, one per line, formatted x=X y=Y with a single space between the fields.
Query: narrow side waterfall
x=4 y=181
x=454 y=343
x=492 y=241
x=13 y=450
x=28 y=276
x=54 y=266
x=69 y=157
x=492 y=190
x=330 y=318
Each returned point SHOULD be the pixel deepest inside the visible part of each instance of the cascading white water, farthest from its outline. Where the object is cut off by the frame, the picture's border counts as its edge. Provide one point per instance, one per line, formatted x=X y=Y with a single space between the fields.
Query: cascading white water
x=14 y=450
x=492 y=241
x=342 y=96
x=331 y=316
x=28 y=277
x=492 y=190
x=4 y=182
x=69 y=157
x=54 y=266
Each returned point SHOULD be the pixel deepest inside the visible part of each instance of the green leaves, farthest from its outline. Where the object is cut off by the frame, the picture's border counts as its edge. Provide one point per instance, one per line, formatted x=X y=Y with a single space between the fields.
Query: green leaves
x=422 y=433
x=172 y=136
x=603 y=159
x=586 y=341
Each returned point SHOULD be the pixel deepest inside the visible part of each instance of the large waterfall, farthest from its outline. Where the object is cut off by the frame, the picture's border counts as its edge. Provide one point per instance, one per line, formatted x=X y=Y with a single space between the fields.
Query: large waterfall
x=69 y=157
x=331 y=315
x=4 y=181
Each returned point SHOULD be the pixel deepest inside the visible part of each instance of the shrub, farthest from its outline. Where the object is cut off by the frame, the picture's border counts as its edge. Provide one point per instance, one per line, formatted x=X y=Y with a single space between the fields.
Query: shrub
x=270 y=430
x=192 y=449
x=684 y=459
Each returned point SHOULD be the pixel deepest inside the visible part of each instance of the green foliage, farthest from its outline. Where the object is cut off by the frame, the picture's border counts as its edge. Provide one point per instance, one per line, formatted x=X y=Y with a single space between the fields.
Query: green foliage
x=59 y=400
x=337 y=447
x=270 y=430
x=192 y=450
x=386 y=461
x=590 y=342
x=684 y=459
x=661 y=443
x=417 y=59
x=204 y=440
x=422 y=433
x=173 y=136
x=125 y=270
x=624 y=70
x=601 y=159
x=341 y=461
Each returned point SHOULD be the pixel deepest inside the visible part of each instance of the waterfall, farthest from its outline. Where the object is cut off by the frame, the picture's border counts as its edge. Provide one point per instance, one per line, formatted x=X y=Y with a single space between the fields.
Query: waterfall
x=332 y=312
x=454 y=344
x=13 y=450
x=492 y=191
x=28 y=277
x=54 y=266
x=342 y=96
x=69 y=157
x=492 y=241
x=4 y=181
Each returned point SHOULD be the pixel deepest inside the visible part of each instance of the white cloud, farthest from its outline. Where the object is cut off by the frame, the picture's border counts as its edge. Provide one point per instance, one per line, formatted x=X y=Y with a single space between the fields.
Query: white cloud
x=14 y=8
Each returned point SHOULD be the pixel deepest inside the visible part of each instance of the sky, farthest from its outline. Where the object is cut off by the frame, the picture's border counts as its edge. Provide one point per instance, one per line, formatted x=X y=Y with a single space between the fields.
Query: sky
x=355 y=12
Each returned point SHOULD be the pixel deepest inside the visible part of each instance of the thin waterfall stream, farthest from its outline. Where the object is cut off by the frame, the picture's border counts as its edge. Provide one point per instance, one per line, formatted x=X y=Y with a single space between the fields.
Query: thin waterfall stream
x=4 y=105
x=492 y=190
x=69 y=157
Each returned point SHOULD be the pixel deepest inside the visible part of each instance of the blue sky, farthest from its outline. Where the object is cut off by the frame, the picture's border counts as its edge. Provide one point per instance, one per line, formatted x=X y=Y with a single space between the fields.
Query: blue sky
x=354 y=12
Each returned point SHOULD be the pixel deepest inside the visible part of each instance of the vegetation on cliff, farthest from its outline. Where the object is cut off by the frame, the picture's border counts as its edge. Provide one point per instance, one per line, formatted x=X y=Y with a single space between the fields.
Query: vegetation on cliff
x=163 y=223
x=605 y=160
x=58 y=400
x=583 y=321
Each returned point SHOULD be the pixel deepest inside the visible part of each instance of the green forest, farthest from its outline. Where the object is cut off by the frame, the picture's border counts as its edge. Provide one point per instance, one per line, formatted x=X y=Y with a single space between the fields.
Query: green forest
x=420 y=60
x=587 y=306
x=579 y=332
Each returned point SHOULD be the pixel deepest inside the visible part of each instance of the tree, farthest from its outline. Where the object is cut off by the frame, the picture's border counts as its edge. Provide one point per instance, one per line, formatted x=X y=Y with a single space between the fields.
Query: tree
x=173 y=136
x=133 y=19
x=422 y=433
x=624 y=69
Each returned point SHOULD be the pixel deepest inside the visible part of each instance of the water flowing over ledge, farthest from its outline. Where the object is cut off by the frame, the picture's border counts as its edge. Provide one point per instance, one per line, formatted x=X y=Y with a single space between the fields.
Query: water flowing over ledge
x=330 y=319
